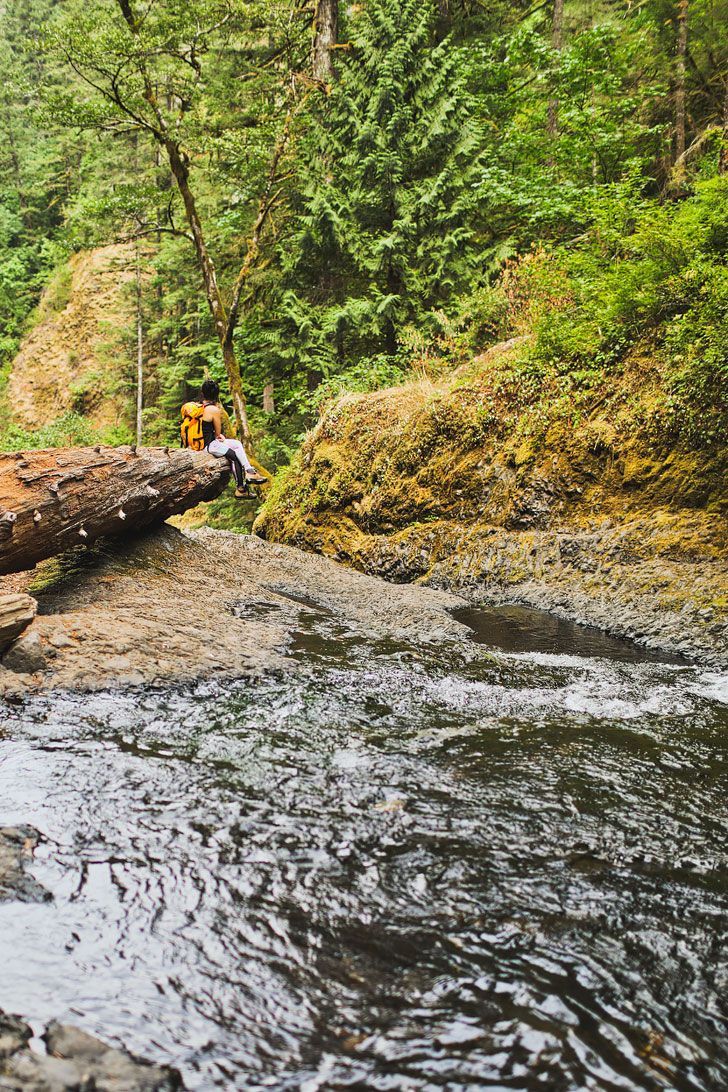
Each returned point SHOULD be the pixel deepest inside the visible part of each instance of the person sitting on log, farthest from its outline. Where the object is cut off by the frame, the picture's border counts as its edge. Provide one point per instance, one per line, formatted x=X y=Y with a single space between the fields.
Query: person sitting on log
x=218 y=445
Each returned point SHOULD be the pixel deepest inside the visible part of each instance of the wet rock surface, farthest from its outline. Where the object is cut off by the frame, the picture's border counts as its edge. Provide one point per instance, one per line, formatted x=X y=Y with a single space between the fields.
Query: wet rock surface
x=74 y=1062
x=617 y=577
x=174 y=607
x=627 y=578
x=16 y=849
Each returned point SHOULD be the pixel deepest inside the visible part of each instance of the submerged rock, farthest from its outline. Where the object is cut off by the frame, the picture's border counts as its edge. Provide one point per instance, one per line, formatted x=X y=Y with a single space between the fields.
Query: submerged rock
x=16 y=849
x=74 y=1062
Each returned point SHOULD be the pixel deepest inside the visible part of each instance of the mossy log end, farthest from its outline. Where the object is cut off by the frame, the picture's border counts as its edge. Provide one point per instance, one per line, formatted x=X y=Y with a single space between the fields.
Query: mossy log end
x=57 y=498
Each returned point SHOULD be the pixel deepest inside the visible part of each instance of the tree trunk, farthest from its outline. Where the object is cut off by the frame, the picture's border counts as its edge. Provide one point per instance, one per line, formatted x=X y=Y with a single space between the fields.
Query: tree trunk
x=325 y=34
x=17 y=611
x=16 y=172
x=723 y=160
x=269 y=405
x=682 y=46
x=54 y=499
x=557 y=27
x=140 y=351
x=180 y=170
x=444 y=19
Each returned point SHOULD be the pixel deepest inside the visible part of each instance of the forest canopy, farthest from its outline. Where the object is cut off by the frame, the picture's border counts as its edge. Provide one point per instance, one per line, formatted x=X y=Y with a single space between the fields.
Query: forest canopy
x=324 y=197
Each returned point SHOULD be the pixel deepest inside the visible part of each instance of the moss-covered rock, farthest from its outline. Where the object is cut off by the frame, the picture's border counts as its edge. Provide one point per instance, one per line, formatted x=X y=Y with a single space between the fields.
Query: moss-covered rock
x=477 y=484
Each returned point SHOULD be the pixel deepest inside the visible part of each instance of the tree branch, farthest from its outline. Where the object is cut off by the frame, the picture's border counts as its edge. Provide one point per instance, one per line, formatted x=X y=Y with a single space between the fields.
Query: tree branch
x=264 y=207
x=154 y=231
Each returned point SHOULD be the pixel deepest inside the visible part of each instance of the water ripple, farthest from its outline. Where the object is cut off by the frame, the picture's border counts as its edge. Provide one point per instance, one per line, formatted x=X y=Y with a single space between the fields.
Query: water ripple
x=398 y=868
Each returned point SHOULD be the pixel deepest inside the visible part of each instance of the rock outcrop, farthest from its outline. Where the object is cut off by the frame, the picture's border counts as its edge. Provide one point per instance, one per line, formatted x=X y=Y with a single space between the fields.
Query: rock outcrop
x=17 y=611
x=466 y=486
x=74 y=1062
x=167 y=607
x=66 y=361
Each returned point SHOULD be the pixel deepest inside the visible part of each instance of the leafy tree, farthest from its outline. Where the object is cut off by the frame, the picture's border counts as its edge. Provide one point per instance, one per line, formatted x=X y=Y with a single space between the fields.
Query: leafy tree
x=382 y=232
x=145 y=72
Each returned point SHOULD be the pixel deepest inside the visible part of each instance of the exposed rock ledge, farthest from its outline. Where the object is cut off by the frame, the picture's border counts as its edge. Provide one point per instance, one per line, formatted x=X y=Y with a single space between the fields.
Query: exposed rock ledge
x=622 y=577
x=506 y=488
x=168 y=607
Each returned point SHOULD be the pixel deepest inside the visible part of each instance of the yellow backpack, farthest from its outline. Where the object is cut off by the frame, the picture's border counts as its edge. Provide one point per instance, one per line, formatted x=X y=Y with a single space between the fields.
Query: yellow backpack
x=191 y=426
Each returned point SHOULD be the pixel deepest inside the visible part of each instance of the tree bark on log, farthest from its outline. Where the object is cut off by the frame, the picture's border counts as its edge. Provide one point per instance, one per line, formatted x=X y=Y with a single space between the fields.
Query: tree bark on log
x=54 y=499
x=17 y=611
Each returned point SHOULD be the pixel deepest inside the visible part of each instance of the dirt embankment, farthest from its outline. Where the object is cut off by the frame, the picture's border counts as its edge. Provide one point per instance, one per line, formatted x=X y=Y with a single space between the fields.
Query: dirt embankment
x=577 y=504
x=74 y=355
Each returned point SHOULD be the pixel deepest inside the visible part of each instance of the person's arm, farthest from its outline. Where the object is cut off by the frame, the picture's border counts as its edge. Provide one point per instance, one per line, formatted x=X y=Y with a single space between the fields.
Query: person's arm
x=217 y=422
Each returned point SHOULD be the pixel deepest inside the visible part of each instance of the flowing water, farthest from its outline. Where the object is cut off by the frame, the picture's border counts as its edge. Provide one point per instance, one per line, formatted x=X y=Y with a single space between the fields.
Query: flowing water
x=496 y=864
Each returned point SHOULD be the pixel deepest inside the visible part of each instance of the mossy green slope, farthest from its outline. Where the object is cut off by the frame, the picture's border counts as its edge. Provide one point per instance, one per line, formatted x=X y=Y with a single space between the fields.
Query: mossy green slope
x=502 y=478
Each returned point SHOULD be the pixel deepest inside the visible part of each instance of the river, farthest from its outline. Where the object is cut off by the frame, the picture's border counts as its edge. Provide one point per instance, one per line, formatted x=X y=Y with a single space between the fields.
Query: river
x=492 y=864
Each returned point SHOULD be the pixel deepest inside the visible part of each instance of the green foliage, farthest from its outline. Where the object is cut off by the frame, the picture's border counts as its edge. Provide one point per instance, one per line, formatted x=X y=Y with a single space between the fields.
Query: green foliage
x=380 y=235
x=229 y=513
x=367 y=374
x=660 y=271
x=532 y=184
x=69 y=430
x=423 y=208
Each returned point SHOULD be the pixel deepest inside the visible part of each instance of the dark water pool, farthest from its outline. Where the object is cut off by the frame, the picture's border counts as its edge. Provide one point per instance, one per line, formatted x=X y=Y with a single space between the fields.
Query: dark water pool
x=515 y=628
x=401 y=868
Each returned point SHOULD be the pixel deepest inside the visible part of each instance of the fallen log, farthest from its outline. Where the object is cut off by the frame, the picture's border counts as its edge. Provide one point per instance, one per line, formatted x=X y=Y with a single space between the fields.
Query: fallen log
x=53 y=499
x=17 y=611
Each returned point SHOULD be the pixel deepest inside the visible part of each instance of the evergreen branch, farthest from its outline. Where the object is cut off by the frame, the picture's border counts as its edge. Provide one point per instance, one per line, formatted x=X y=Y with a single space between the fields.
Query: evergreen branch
x=515 y=90
x=532 y=11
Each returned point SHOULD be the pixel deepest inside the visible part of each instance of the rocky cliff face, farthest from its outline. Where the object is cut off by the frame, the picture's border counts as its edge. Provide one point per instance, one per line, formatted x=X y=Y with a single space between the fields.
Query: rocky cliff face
x=580 y=504
x=73 y=356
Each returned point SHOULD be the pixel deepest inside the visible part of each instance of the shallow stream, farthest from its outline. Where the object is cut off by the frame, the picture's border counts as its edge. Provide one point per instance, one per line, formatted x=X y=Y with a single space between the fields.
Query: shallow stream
x=496 y=864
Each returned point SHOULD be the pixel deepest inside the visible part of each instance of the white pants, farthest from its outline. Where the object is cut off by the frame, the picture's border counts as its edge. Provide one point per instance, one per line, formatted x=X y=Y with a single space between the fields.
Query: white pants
x=234 y=451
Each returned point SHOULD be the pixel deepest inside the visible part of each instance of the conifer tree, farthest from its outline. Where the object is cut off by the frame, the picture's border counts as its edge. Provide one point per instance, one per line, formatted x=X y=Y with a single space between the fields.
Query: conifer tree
x=383 y=227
